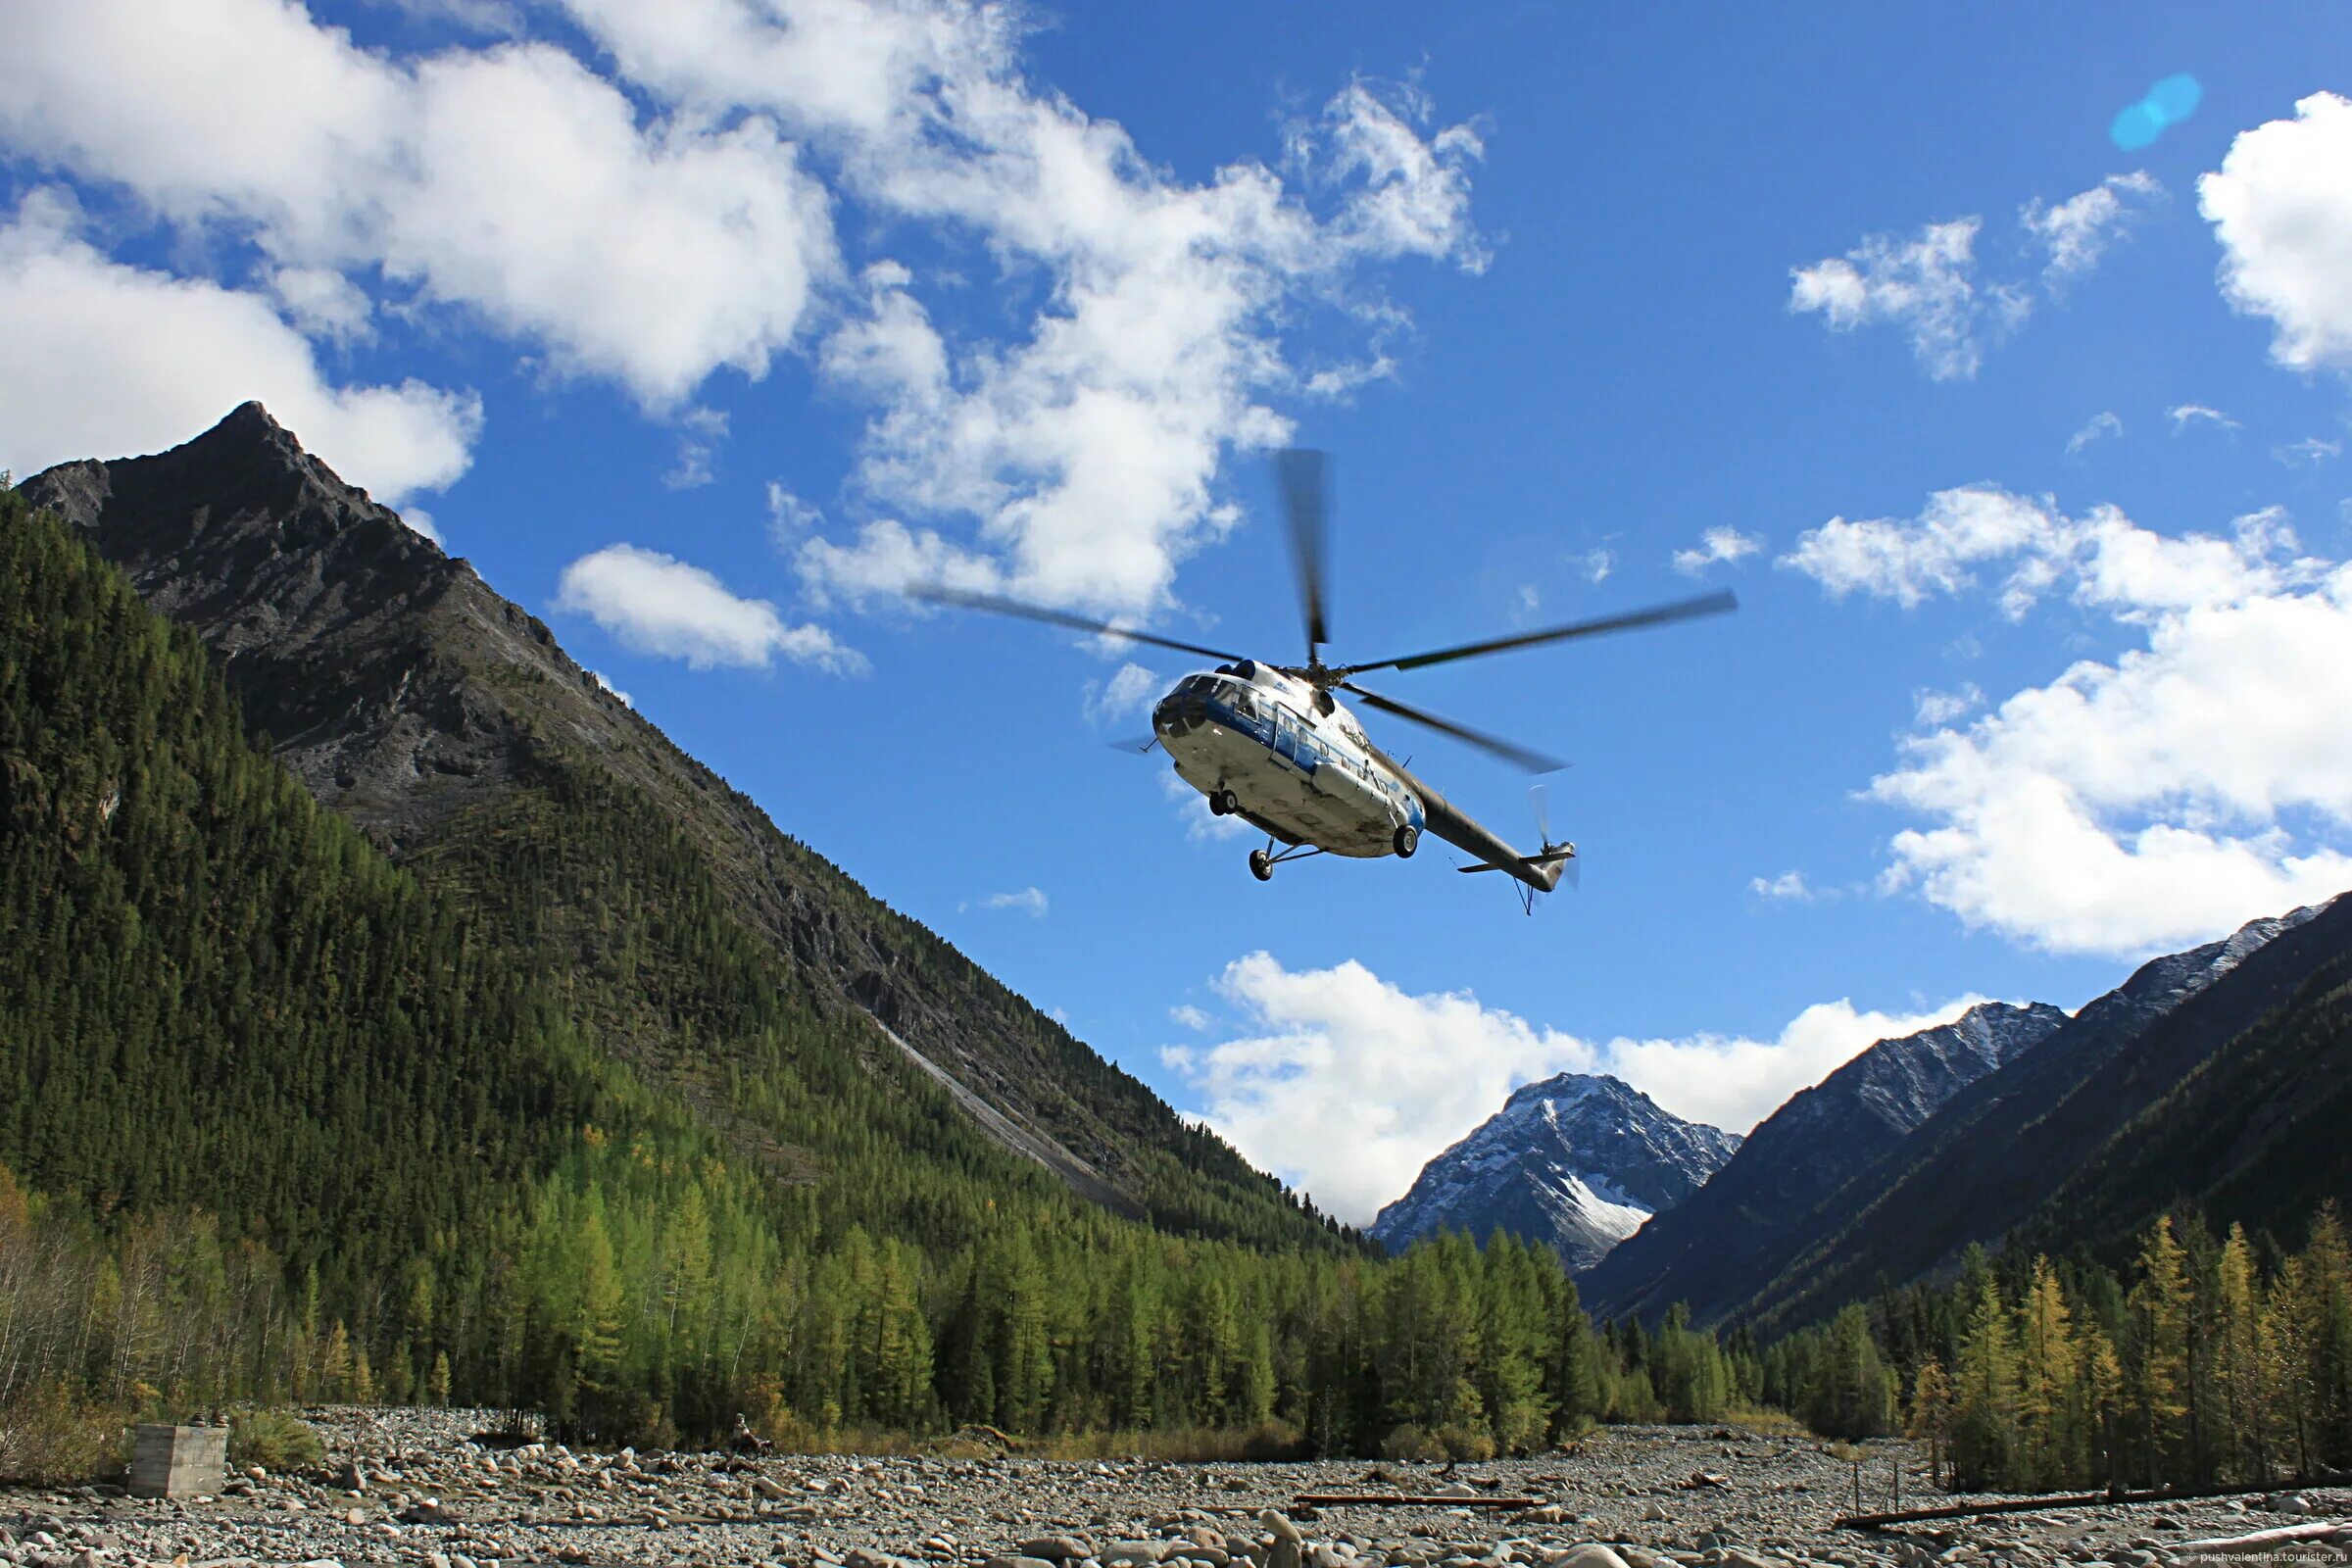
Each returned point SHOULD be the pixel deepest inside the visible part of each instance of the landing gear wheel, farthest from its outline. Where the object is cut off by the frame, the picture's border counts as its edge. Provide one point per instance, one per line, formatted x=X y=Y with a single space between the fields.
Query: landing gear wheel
x=1261 y=866
x=1223 y=803
x=1406 y=840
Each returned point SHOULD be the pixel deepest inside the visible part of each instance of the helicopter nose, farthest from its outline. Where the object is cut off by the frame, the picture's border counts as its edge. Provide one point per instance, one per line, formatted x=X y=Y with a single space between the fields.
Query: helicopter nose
x=1178 y=716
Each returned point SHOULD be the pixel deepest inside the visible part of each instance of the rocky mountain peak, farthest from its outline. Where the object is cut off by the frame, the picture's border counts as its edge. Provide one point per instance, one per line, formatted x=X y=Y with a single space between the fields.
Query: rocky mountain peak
x=1578 y=1162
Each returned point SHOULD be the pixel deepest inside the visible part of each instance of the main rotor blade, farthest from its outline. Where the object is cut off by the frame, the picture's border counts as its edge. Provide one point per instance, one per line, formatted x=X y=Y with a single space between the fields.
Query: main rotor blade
x=1518 y=756
x=1299 y=473
x=1656 y=616
x=1058 y=617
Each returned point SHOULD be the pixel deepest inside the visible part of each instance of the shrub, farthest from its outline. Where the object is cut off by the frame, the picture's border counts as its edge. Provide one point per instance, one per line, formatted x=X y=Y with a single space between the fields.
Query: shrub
x=277 y=1440
x=1411 y=1442
x=51 y=1437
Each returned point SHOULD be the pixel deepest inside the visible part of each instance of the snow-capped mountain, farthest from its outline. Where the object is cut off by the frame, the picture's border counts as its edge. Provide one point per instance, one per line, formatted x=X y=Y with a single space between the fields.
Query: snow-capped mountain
x=1578 y=1162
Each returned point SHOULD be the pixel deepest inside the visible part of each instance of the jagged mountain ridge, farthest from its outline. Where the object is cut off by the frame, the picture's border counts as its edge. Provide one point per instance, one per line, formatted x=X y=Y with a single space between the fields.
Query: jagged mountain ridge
x=1577 y=1161
x=1998 y=1154
x=412 y=698
x=1723 y=1242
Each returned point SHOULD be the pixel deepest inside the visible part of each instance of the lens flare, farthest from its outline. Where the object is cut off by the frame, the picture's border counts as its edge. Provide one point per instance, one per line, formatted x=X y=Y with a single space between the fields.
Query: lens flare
x=2168 y=102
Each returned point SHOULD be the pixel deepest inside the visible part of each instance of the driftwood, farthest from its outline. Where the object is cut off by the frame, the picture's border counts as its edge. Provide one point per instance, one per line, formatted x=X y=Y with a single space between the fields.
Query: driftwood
x=1400 y=1499
x=2077 y=1500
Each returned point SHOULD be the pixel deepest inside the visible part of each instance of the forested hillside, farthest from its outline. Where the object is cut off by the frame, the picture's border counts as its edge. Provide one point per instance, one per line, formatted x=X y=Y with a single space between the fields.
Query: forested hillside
x=298 y=1122
x=477 y=1131
x=442 y=721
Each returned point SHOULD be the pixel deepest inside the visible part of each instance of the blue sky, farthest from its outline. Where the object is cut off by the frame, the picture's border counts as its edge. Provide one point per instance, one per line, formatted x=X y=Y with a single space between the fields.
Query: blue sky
x=700 y=328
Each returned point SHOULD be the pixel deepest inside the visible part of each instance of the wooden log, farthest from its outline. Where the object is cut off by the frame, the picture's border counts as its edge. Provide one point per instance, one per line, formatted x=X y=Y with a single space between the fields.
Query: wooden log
x=2077 y=1500
x=1400 y=1499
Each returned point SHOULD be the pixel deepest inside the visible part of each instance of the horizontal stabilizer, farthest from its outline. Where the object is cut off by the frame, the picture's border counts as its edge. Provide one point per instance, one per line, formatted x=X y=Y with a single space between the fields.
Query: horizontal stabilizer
x=1566 y=851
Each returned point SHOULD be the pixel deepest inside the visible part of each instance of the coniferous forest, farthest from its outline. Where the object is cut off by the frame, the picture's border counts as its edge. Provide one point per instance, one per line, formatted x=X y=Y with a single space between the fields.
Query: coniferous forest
x=283 y=1121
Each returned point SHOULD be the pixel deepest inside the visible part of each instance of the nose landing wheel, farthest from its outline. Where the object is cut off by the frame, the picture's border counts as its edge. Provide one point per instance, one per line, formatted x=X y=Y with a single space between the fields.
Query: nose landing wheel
x=1223 y=803
x=1263 y=862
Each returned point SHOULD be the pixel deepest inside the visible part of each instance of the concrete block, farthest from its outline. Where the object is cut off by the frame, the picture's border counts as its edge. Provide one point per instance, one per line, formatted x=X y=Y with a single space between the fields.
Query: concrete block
x=178 y=1461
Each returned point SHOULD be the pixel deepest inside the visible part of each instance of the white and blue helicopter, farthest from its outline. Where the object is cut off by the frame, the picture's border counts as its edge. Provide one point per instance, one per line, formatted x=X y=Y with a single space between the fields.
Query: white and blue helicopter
x=1272 y=745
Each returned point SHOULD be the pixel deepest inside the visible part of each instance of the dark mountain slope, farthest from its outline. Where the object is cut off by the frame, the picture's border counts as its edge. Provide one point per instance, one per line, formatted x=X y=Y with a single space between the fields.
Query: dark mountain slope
x=1725 y=1241
x=445 y=721
x=2002 y=1147
x=2254 y=1133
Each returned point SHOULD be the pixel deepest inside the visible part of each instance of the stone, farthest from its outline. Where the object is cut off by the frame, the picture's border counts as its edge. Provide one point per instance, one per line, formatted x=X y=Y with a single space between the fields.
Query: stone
x=1281 y=1525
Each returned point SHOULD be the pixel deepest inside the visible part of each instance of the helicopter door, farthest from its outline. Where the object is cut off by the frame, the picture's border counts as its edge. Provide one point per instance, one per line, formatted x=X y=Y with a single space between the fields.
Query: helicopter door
x=1290 y=746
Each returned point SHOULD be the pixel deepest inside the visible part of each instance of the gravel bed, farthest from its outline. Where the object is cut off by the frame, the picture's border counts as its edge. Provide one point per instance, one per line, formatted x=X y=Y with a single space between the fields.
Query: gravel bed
x=411 y=1487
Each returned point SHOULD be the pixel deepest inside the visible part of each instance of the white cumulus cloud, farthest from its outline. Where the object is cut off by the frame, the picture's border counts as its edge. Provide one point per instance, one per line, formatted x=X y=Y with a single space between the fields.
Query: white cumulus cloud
x=651 y=199
x=2282 y=208
x=1348 y=1084
x=1789 y=885
x=511 y=183
x=132 y=361
x=2197 y=781
x=656 y=604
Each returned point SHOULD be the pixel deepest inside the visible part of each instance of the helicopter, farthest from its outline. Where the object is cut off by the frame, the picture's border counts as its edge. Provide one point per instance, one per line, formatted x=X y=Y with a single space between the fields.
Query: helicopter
x=1272 y=746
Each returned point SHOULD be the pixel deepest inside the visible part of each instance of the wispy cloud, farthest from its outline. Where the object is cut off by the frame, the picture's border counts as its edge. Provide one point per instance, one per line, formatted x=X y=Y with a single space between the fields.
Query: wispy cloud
x=2075 y=232
x=1030 y=901
x=1717 y=546
x=2100 y=428
x=2186 y=414
x=1928 y=284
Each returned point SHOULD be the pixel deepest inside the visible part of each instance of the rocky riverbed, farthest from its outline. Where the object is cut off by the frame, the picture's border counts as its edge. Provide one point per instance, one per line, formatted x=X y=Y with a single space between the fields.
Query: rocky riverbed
x=412 y=1486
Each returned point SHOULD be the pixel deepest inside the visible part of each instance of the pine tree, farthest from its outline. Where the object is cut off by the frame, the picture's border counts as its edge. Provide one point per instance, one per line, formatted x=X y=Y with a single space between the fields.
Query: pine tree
x=1932 y=1414
x=2052 y=1442
x=2158 y=1366
x=2237 y=1340
x=1984 y=1395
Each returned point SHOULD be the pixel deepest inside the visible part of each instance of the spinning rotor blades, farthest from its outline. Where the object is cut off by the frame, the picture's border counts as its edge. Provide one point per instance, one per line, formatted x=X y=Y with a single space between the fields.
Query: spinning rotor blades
x=1656 y=615
x=1298 y=474
x=1059 y=617
x=1517 y=756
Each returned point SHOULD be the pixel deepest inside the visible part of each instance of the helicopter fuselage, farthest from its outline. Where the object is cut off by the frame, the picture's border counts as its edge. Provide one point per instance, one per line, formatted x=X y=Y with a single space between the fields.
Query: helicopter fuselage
x=1287 y=759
